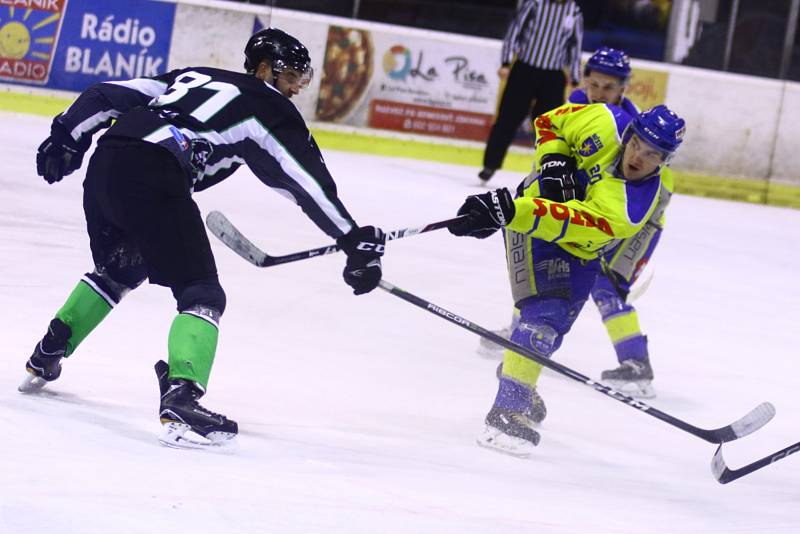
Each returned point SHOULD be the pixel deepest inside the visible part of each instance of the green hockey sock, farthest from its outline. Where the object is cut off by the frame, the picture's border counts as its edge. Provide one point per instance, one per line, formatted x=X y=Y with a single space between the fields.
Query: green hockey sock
x=82 y=312
x=192 y=345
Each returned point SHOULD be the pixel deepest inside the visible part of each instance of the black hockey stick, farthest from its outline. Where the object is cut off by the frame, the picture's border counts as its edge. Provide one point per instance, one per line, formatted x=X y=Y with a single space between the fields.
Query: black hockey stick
x=724 y=474
x=224 y=229
x=755 y=419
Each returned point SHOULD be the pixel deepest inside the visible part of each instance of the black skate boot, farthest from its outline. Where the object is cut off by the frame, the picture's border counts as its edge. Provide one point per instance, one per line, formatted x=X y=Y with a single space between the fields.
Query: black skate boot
x=486 y=174
x=509 y=432
x=538 y=410
x=632 y=377
x=44 y=365
x=187 y=424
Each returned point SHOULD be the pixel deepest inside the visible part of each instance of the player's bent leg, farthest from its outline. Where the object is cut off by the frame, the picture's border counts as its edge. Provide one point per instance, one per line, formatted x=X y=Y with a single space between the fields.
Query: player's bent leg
x=86 y=307
x=193 y=336
x=192 y=346
x=634 y=375
x=542 y=339
x=518 y=405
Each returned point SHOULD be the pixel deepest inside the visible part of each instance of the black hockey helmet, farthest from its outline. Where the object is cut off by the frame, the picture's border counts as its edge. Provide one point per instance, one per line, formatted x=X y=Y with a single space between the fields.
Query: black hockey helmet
x=282 y=51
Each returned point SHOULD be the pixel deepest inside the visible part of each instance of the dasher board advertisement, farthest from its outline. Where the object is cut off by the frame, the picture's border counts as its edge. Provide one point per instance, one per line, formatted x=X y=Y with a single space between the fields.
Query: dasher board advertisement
x=408 y=83
x=102 y=40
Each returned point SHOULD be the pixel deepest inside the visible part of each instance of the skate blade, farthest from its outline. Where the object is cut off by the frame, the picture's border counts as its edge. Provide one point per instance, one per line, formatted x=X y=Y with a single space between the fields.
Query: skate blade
x=181 y=436
x=31 y=384
x=494 y=439
x=639 y=390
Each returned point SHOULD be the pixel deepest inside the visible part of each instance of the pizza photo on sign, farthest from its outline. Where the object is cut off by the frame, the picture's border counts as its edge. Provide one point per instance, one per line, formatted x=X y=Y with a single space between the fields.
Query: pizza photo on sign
x=346 y=72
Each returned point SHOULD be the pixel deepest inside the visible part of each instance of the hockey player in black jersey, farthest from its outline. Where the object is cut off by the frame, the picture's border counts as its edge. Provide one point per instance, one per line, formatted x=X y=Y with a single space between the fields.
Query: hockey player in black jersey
x=175 y=134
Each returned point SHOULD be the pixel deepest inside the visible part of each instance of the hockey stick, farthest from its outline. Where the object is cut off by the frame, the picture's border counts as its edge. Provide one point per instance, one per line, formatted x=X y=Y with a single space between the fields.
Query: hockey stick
x=724 y=474
x=755 y=419
x=224 y=229
x=638 y=289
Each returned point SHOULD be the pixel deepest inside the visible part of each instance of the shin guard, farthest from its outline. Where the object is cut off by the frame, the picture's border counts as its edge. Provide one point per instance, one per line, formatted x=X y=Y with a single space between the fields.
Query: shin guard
x=192 y=345
x=84 y=309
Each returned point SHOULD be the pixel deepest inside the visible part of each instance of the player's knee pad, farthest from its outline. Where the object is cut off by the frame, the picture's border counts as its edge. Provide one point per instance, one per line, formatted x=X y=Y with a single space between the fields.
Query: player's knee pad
x=541 y=338
x=203 y=294
x=116 y=283
x=543 y=323
x=120 y=270
x=608 y=302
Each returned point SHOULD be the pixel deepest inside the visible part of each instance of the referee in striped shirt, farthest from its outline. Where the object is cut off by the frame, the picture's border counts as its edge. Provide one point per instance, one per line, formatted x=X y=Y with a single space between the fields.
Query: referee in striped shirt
x=542 y=42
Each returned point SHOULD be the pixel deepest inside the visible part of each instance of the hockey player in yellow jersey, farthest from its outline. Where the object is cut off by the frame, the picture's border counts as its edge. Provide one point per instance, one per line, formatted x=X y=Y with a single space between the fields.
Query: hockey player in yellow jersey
x=606 y=77
x=597 y=178
x=607 y=74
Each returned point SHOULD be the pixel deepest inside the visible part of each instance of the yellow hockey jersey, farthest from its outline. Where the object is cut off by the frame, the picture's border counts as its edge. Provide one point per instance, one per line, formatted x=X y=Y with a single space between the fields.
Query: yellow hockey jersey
x=612 y=208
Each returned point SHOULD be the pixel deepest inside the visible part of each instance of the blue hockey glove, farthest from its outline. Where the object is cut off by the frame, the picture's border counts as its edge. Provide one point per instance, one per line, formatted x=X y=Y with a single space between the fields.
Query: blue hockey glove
x=364 y=247
x=485 y=214
x=60 y=155
x=556 y=180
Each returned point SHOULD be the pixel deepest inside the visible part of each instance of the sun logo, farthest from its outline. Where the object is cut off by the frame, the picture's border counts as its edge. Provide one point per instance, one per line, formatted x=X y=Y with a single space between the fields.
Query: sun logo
x=27 y=39
x=15 y=41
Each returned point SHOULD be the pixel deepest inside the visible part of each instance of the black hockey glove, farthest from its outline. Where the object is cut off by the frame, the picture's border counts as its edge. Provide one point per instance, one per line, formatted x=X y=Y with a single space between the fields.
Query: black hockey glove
x=60 y=155
x=556 y=182
x=485 y=213
x=364 y=247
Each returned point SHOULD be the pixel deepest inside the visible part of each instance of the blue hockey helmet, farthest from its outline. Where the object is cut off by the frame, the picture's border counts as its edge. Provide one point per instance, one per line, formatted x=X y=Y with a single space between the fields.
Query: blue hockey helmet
x=282 y=51
x=609 y=61
x=659 y=127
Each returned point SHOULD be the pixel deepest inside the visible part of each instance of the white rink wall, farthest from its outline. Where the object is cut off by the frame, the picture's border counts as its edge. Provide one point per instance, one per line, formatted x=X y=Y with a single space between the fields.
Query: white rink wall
x=392 y=77
x=737 y=125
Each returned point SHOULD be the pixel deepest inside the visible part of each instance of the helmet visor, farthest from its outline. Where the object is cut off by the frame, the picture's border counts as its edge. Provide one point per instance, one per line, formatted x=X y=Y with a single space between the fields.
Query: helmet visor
x=299 y=75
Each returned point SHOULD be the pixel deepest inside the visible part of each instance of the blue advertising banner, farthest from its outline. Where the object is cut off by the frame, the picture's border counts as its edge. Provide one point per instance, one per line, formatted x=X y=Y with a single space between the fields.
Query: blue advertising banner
x=102 y=40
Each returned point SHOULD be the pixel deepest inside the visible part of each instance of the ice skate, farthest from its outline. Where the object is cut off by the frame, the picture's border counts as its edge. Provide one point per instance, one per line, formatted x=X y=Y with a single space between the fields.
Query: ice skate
x=185 y=423
x=537 y=410
x=491 y=350
x=633 y=377
x=509 y=432
x=44 y=365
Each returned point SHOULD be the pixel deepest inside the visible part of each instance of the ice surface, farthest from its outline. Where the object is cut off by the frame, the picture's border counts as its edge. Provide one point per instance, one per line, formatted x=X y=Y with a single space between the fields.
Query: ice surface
x=359 y=414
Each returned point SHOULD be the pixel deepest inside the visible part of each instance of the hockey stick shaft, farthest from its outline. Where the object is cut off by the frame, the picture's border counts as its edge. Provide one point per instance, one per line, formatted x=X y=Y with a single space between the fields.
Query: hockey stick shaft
x=220 y=226
x=724 y=474
x=751 y=422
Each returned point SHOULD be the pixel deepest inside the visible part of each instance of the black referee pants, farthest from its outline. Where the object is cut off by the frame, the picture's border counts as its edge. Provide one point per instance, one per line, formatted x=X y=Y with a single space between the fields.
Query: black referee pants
x=524 y=85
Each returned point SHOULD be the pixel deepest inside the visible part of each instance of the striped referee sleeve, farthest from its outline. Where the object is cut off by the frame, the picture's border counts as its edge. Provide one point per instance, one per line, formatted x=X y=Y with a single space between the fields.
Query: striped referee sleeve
x=548 y=34
x=526 y=13
x=574 y=45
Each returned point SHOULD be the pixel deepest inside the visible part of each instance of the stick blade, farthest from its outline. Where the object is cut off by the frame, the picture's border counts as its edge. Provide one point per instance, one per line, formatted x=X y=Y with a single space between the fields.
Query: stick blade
x=746 y=425
x=758 y=417
x=724 y=474
x=220 y=226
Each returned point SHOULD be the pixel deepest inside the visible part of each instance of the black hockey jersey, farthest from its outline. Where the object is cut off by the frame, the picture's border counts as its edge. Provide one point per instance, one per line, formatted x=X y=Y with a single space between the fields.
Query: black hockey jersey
x=213 y=121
